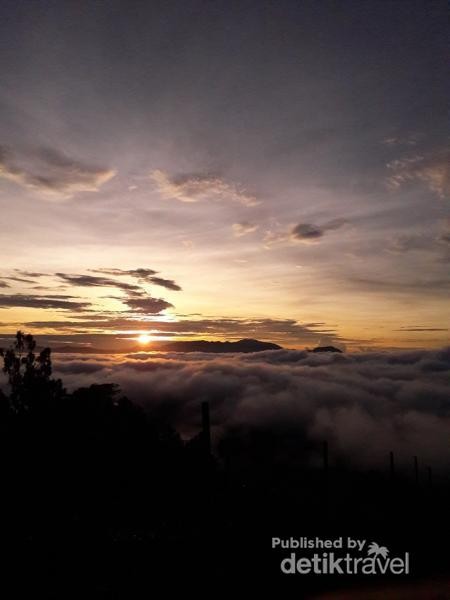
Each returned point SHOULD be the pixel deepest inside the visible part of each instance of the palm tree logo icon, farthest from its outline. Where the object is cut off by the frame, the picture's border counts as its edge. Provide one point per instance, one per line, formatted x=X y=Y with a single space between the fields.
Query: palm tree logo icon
x=377 y=550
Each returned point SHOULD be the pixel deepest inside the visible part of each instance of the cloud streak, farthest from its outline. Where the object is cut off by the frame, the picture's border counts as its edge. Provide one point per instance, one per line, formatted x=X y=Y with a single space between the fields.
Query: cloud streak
x=92 y=281
x=143 y=275
x=52 y=173
x=433 y=171
x=241 y=229
x=197 y=187
x=46 y=302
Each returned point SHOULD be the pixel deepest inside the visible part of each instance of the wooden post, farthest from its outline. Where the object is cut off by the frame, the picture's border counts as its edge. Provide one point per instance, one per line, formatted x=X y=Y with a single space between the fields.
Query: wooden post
x=416 y=470
x=206 y=428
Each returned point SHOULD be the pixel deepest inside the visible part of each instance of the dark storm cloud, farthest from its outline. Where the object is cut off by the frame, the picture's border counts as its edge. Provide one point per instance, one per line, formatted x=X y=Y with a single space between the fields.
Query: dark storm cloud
x=51 y=172
x=364 y=404
x=54 y=302
x=91 y=281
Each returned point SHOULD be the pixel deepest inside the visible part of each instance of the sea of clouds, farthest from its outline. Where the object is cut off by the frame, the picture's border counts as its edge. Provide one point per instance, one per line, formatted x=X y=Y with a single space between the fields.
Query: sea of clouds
x=364 y=404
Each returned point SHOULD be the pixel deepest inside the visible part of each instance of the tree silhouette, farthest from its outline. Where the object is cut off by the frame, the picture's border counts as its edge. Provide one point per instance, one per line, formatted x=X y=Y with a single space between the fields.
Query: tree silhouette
x=29 y=375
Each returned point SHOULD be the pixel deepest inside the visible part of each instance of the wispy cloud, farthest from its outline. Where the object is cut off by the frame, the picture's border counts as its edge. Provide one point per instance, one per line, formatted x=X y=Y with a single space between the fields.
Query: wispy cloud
x=52 y=173
x=19 y=279
x=405 y=243
x=143 y=275
x=169 y=284
x=433 y=171
x=54 y=302
x=424 y=286
x=148 y=305
x=444 y=235
x=196 y=187
x=418 y=328
x=29 y=273
x=241 y=229
x=92 y=281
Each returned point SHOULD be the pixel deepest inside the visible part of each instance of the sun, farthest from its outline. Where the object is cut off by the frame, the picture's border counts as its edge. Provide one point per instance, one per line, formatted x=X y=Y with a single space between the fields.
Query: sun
x=144 y=339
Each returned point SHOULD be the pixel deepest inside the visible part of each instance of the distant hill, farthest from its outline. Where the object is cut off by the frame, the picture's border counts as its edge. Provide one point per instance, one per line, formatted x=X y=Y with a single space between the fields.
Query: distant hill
x=326 y=349
x=246 y=345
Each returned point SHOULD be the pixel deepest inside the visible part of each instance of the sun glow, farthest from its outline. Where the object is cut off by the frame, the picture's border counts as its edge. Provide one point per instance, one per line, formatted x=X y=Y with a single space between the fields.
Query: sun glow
x=144 y=339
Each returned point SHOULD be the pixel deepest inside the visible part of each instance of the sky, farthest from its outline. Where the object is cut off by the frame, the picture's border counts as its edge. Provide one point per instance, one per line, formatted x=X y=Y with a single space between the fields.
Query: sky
x=225 y=170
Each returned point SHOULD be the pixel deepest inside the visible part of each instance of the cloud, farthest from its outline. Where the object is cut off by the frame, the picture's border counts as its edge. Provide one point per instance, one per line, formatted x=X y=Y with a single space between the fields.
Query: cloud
x=415 y=286
x=19 y=279
x=433 y=171
x=28 y=301
x=148 y=305
x=308 y=232
x=196 y=187
x=241 y=229
x=444 y=236
x=135 y=298
x=417 y=328
x=166 y=283
x=143 y=275
x=3 y=284
x=281 y=331
x=400 y=141
x=52 y=173
x=406 y=243
x=364 y=404
x=29 y=273
x=92 y=281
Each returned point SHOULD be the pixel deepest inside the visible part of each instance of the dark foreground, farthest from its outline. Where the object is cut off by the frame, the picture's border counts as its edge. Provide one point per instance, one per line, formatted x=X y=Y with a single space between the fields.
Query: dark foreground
x=102 y=501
